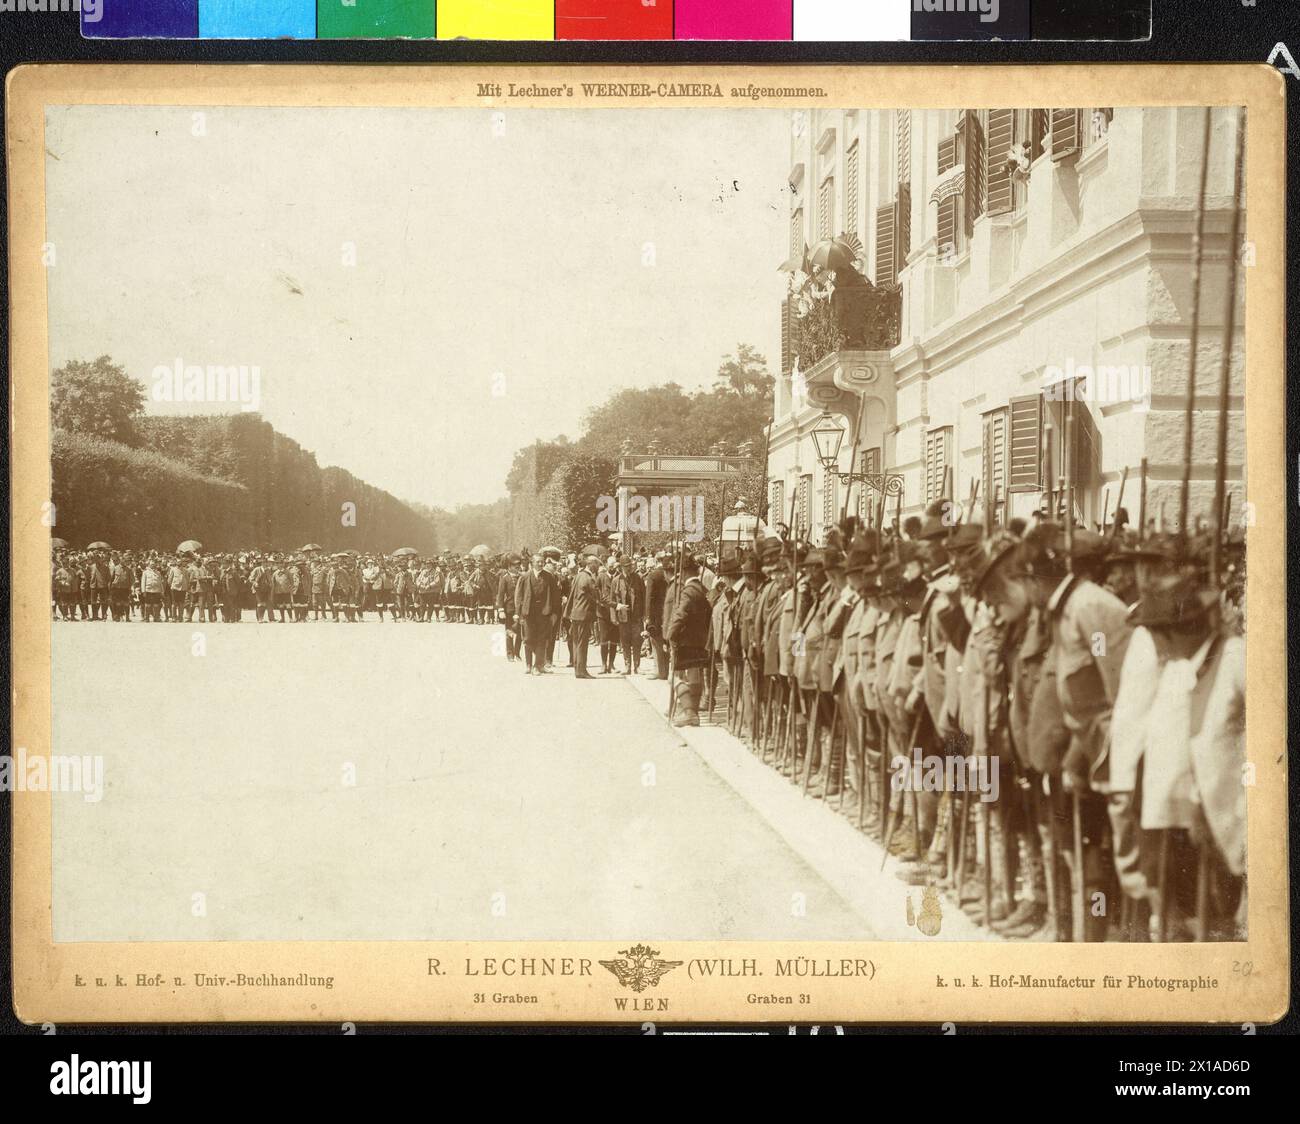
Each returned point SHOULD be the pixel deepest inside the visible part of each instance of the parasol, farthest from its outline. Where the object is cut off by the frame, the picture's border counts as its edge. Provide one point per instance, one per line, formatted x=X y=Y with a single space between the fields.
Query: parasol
x=99 y=546
x=189 y=546
x=405 y=552
x=596 y=549
x=480 y=551
x=835 y=254
x=309 y=548
x=59 y=544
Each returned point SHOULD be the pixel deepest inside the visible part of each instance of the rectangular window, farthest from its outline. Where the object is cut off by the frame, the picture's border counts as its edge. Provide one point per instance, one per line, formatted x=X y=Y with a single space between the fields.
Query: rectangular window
x=938 y=456
x=826 y=209
x=994 y=481
x=1040 y=121
x=869 y=465
x=886 y=247
x=972 y=153
x=852 y=172
x=830 y=506
x=999 y=192
x=1094 y=127
x=903 y=136
x=903 y=196
x=787 y=335
x=946 y=231
x=1025 y=467
x=1065 y=133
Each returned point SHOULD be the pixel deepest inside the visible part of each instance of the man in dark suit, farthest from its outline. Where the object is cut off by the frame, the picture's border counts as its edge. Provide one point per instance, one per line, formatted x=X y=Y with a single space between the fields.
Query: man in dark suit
x=688 y=632
x=506 y=608
x=656 y=586
x=584 y=607
x=537 y=600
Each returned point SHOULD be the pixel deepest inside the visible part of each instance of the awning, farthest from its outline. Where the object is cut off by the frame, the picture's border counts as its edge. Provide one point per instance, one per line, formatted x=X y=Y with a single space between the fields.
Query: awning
x=952 y=182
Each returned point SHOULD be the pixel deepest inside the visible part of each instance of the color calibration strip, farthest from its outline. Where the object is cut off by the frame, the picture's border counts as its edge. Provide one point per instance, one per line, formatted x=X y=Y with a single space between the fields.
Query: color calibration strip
x=834 y=21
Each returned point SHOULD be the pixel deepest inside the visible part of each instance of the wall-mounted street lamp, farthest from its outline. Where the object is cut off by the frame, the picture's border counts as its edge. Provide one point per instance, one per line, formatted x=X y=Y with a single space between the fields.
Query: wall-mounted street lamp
x=827 y=437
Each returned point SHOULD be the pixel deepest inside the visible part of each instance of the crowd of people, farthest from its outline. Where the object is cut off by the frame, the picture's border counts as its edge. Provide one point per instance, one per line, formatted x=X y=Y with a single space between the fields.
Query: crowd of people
x=100 y=583
x=1045 y=722
x=1042 y=721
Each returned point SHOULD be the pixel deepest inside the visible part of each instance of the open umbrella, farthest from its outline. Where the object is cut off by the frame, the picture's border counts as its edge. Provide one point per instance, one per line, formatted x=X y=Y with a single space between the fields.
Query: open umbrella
x=601 y=552
x=405 y=552
x=835 y=254
x=309 y=548
x=480 y=551
x=58 y=544
x=553 y=551
x=99 y=546
x=189 y=546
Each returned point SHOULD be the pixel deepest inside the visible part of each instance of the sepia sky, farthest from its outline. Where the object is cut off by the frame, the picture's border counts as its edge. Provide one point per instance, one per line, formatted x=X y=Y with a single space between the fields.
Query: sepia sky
x=522 y=255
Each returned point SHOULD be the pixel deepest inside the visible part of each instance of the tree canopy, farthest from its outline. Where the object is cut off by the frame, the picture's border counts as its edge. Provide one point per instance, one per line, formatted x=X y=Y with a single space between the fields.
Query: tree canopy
x=97 y=398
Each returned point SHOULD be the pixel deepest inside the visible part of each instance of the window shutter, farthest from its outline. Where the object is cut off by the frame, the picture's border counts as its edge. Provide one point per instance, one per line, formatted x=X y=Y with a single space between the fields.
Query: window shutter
x=994 y=483
x=1065 y=133
x=825 y=203
x=947 y=154
x=829 y=480
x=903 y=132
x=974 y=131
x=936 y=460
x=885 y=244
x=796 y=236
x=903 y=227
x=1026 y=444
x=948 y=223
x=777 y=512
x=869 y=463
x=1039 y=124
x=1002 y=139
x=851 y=172
x=787 y=335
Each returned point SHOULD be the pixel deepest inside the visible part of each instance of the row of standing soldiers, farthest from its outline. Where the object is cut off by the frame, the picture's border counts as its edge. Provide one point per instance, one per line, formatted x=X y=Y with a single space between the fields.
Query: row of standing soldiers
x=1046 y=723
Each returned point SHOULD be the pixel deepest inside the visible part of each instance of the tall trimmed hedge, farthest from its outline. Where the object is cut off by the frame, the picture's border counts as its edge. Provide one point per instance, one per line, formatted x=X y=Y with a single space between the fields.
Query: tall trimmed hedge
x=229 y=481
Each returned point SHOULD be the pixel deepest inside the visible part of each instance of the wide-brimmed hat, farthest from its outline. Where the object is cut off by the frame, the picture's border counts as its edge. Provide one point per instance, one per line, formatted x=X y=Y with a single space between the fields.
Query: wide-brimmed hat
x=1170 y=598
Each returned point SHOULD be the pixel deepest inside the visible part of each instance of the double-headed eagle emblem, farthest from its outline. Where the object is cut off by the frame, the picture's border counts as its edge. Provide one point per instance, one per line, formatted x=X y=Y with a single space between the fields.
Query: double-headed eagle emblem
x=640 y=967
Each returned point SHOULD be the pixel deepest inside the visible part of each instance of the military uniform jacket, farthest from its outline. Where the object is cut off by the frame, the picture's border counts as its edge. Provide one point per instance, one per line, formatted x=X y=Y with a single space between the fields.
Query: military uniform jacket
x=769 y=625
x=785 y=632
x=688 y=631
x=810 y=627
x=838 y=607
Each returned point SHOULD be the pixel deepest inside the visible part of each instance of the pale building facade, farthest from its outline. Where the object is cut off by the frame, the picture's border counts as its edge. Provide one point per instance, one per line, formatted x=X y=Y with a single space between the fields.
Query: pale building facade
x=1033 y=248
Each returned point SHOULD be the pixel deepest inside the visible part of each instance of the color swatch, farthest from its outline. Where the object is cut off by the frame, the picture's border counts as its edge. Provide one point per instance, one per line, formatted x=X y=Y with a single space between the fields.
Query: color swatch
x=496 y=19
x=825 y=21
x=376 y=19
x=734 y=19
x=613 y=19
x=257 y=19
x=142 y=19
x=834 y=21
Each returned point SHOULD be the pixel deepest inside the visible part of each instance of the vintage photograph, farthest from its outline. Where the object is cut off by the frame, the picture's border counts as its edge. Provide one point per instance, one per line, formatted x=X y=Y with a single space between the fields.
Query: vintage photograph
x=822 y=523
